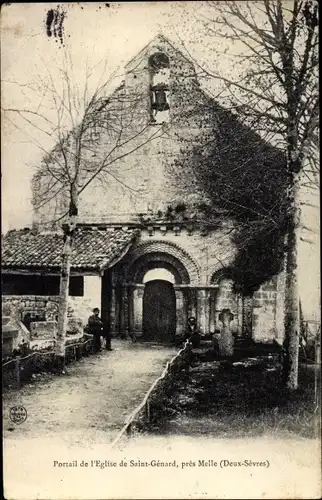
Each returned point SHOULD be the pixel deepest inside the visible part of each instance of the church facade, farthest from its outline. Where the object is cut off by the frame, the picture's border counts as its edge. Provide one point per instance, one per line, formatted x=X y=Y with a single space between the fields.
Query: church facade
x=151 y=247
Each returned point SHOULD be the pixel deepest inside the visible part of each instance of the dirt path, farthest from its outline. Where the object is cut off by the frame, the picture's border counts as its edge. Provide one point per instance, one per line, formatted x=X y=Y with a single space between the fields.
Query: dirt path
x=89 y=405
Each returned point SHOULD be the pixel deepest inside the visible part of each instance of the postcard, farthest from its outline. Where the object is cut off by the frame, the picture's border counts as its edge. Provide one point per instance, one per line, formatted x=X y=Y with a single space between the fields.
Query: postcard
x=161 y=333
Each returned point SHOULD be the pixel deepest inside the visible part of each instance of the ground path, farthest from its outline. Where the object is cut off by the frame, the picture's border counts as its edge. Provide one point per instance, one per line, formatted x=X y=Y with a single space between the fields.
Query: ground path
x=89 y=405
x=73 y=418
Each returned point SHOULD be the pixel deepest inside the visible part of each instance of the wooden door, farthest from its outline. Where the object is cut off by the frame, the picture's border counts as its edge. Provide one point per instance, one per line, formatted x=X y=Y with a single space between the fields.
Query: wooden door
x=159 y=311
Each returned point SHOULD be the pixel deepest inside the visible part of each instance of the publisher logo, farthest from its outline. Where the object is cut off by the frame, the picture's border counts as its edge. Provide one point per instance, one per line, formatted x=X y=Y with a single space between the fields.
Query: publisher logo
x=18 y=414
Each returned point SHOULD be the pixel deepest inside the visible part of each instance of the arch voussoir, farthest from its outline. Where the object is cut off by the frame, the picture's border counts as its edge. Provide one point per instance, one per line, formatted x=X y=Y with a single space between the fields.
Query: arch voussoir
x=173 y=256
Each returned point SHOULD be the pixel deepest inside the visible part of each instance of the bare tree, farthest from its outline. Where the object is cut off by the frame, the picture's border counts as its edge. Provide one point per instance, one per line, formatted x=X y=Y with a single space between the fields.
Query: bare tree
x=75 y=119
x=276 y=88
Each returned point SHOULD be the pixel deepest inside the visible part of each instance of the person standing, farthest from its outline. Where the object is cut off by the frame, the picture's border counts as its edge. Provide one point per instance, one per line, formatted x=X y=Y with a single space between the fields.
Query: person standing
x=95 y=328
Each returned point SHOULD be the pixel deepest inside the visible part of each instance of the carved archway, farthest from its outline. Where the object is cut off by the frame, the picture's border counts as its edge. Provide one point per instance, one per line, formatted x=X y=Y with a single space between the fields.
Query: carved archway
x=149 y=255
x=225 y=273
x=155 y=260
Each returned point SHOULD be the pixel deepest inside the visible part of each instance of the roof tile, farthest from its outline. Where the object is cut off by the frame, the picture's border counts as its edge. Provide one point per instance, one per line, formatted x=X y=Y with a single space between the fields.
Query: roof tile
x=91 y=249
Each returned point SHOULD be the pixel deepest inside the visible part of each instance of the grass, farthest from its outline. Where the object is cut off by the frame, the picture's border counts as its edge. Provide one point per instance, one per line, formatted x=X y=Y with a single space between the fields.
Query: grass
x=238 y=398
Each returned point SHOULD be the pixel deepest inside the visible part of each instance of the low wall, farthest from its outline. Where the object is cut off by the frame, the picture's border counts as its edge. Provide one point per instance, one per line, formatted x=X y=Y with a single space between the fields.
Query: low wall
x=20 y=369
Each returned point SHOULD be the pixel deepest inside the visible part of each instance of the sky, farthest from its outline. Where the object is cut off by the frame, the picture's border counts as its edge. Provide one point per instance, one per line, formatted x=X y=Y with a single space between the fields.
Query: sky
x=96 y=36
x=104 y=38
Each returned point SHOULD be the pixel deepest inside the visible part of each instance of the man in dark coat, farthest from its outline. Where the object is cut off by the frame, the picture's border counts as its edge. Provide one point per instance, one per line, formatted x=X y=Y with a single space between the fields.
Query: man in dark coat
x=193 y=335
x=95 y=328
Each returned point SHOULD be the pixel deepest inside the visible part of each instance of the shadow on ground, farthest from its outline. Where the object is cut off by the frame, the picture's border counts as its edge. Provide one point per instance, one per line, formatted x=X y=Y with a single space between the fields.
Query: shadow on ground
x=237 y=398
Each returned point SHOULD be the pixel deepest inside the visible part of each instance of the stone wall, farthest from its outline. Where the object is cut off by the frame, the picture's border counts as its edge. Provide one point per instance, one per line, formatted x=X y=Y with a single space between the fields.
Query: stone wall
x=157 y=171
x=203 y=255
x=38 y=306
x=45 y=308
x=208 y=253
x=150 y=176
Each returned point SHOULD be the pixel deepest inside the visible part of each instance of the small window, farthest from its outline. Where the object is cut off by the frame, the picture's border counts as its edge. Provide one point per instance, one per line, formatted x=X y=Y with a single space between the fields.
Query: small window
x=33 y=284
x=159 y=78
x=15 y=284
x=76 y=286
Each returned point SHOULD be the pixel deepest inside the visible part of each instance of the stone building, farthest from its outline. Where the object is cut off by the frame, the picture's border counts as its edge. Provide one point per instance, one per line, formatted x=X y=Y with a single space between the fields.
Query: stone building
x=152 y=246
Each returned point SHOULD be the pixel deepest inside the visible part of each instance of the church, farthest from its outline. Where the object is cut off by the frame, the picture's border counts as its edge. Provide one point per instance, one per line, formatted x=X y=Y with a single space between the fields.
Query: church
x=168 y=235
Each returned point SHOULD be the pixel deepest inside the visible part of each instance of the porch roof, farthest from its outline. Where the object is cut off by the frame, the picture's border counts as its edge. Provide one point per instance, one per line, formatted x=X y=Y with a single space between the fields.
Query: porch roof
x=93 y=249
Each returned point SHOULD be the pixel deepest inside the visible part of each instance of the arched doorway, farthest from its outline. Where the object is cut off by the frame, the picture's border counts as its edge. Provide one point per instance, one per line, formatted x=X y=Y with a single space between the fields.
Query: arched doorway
x=159 y=311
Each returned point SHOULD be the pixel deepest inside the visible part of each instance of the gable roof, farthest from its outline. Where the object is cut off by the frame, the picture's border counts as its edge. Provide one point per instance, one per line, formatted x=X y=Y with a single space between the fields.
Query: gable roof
x=157 y=40
x=93 y=249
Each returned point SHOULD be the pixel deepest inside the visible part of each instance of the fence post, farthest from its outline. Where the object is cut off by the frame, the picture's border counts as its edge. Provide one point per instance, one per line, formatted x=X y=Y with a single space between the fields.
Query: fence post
x=78 y=352
x=17 y=372
x=129 y=429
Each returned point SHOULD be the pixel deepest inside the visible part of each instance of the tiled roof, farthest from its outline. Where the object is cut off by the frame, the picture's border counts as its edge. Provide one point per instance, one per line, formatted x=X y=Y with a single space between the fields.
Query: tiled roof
x=92 y=249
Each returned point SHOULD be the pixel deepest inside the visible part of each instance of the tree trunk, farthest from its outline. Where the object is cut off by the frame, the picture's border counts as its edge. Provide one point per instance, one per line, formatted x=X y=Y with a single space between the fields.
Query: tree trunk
x=63 y=297
x=292 y=309
x=69 y=230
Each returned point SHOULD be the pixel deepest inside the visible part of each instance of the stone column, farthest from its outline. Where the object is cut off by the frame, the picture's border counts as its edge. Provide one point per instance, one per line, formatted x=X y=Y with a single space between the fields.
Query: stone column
x=180 y=312
x=212 y=310
x=203 y=311
x=137 y=311
x=113 y=311
x=192 y=302
x=130 y=310
x=124 y=313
